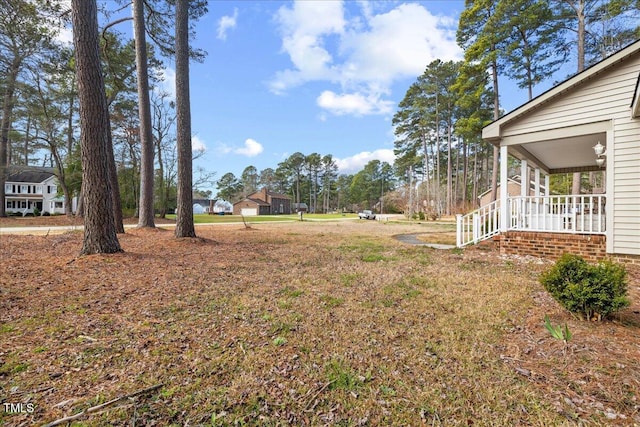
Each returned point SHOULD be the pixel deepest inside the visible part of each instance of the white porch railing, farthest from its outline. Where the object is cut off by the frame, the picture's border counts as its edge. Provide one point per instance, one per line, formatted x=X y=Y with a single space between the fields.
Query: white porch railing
x=557 y=214
x=478 y=225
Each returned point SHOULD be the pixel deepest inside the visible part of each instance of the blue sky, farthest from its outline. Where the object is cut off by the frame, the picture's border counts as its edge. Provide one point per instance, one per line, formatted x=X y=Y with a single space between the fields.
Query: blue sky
x=309 y=76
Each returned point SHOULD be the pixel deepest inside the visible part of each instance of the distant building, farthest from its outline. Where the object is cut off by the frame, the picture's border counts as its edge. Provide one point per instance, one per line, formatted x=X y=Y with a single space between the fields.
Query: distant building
x=300 y=207
x=263 y=202
x=29 y=188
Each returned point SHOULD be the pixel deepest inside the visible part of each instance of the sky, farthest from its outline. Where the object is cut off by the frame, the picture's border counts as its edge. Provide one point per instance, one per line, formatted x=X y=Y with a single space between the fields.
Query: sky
x=310 y=76
x=321 y=76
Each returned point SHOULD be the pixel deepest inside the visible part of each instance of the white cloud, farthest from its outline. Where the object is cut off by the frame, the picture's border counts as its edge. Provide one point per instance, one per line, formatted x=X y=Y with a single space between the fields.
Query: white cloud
x=167 y=83
x=302 y=27
x=364 y=55
x=65 y=36
x=226 y=23
x=357 y=162
x=251 y=148
x=197 y=144
x=398 y=44
x=353 y=103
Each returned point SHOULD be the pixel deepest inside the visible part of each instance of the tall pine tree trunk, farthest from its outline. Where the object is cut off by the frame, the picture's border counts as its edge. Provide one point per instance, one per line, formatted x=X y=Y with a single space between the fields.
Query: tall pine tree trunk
x=99 y=228
x=113 y=178
x=145 y=213
x=184 y=217
x=7 y=108
x=496 y=149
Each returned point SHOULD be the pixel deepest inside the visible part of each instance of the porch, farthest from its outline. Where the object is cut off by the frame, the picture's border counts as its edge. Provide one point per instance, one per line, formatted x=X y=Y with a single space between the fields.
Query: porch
x=571 y=214
x=588 y=123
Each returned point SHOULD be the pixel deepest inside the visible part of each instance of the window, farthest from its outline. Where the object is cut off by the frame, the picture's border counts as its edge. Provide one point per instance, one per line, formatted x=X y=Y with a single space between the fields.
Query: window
x=7 y=188
x=23 y=204
x=23 y=189
x=59 y=205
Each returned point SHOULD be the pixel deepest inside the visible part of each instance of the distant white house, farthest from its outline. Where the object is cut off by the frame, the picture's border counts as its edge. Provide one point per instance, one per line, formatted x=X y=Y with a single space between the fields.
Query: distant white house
x=222 y=206
x=29 y=188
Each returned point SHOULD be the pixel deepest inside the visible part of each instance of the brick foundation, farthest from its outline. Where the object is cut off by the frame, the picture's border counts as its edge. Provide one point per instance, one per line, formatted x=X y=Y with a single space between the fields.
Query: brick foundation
x=592 y=247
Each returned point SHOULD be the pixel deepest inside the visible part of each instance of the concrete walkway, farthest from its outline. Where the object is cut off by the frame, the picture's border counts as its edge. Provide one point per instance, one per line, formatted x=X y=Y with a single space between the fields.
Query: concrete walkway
x=412 y=239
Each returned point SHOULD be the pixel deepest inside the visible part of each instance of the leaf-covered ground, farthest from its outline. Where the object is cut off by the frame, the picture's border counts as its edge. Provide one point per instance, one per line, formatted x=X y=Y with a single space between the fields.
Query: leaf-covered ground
x=301 y=324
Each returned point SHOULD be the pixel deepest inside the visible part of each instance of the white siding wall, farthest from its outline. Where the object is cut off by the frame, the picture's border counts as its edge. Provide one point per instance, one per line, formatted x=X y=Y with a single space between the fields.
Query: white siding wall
x=47 y=198
x=625 y=178
x=607 y=96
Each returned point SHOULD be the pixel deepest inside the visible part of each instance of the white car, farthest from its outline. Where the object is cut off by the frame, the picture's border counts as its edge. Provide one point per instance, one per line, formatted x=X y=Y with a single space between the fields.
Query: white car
x=366 y=214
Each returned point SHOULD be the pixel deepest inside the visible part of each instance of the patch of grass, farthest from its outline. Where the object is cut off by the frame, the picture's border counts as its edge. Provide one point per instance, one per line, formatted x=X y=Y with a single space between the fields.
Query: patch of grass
x=330 y=301
x=6 y=328
x=279 y=327
x=13 y=367
x=279 y=341
x=372 y=258
x=351 y=279
x=342 y=377
x=290 y=291
x=402 y=290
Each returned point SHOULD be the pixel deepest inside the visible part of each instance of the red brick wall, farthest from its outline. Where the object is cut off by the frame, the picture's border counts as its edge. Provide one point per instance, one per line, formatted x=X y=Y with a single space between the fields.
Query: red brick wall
x=553 y=245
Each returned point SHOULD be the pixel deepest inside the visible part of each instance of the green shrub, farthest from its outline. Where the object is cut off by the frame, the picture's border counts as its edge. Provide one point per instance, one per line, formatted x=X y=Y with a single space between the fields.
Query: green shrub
x=36 y=212
x=421 y=216
x=593 y=292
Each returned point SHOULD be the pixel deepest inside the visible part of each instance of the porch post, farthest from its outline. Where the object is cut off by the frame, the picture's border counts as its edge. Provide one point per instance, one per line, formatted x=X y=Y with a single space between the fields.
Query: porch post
x=504 y=194
x=536 y=182
x=524 y=178
x=546 y=185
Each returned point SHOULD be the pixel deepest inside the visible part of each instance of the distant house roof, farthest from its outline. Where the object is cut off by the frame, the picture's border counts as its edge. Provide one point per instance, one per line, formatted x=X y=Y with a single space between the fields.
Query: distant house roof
x=300 y=205
x=203 y=202
x=278 y=195
x=28 y=174
x=256 y=201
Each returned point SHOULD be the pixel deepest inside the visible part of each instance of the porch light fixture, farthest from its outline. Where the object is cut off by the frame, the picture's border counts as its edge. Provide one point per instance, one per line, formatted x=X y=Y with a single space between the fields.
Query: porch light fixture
x=601 y=153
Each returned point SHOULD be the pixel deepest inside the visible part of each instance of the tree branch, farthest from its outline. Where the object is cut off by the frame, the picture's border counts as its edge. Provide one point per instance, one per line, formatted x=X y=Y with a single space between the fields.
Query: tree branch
x=97 y=408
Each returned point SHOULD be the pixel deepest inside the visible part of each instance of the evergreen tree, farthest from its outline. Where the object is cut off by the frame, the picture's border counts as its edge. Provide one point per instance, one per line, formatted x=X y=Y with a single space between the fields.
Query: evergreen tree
x=99 y=227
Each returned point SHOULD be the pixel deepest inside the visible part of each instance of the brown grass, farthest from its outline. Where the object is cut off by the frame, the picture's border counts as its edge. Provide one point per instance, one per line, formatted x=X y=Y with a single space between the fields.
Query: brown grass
x=301 y=324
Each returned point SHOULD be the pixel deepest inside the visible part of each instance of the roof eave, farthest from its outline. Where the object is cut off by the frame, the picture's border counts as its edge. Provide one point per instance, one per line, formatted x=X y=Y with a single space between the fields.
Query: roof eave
x=492 y=132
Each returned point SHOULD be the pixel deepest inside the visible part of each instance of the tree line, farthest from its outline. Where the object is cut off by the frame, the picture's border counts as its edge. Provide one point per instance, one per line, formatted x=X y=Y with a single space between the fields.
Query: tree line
x=313 y=179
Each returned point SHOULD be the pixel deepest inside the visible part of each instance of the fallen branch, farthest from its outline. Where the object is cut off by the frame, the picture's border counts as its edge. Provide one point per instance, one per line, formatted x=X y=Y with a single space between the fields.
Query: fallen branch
x=317 y=394
x=98 y=408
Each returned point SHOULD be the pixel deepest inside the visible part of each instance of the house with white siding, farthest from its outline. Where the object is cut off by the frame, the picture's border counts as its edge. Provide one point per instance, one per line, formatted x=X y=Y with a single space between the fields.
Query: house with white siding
x=590 y=122
x=32 y=188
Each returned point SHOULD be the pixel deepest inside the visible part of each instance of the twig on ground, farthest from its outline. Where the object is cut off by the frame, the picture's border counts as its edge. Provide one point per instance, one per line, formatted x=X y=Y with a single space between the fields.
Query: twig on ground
x=98 y=408
x=318 y=393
